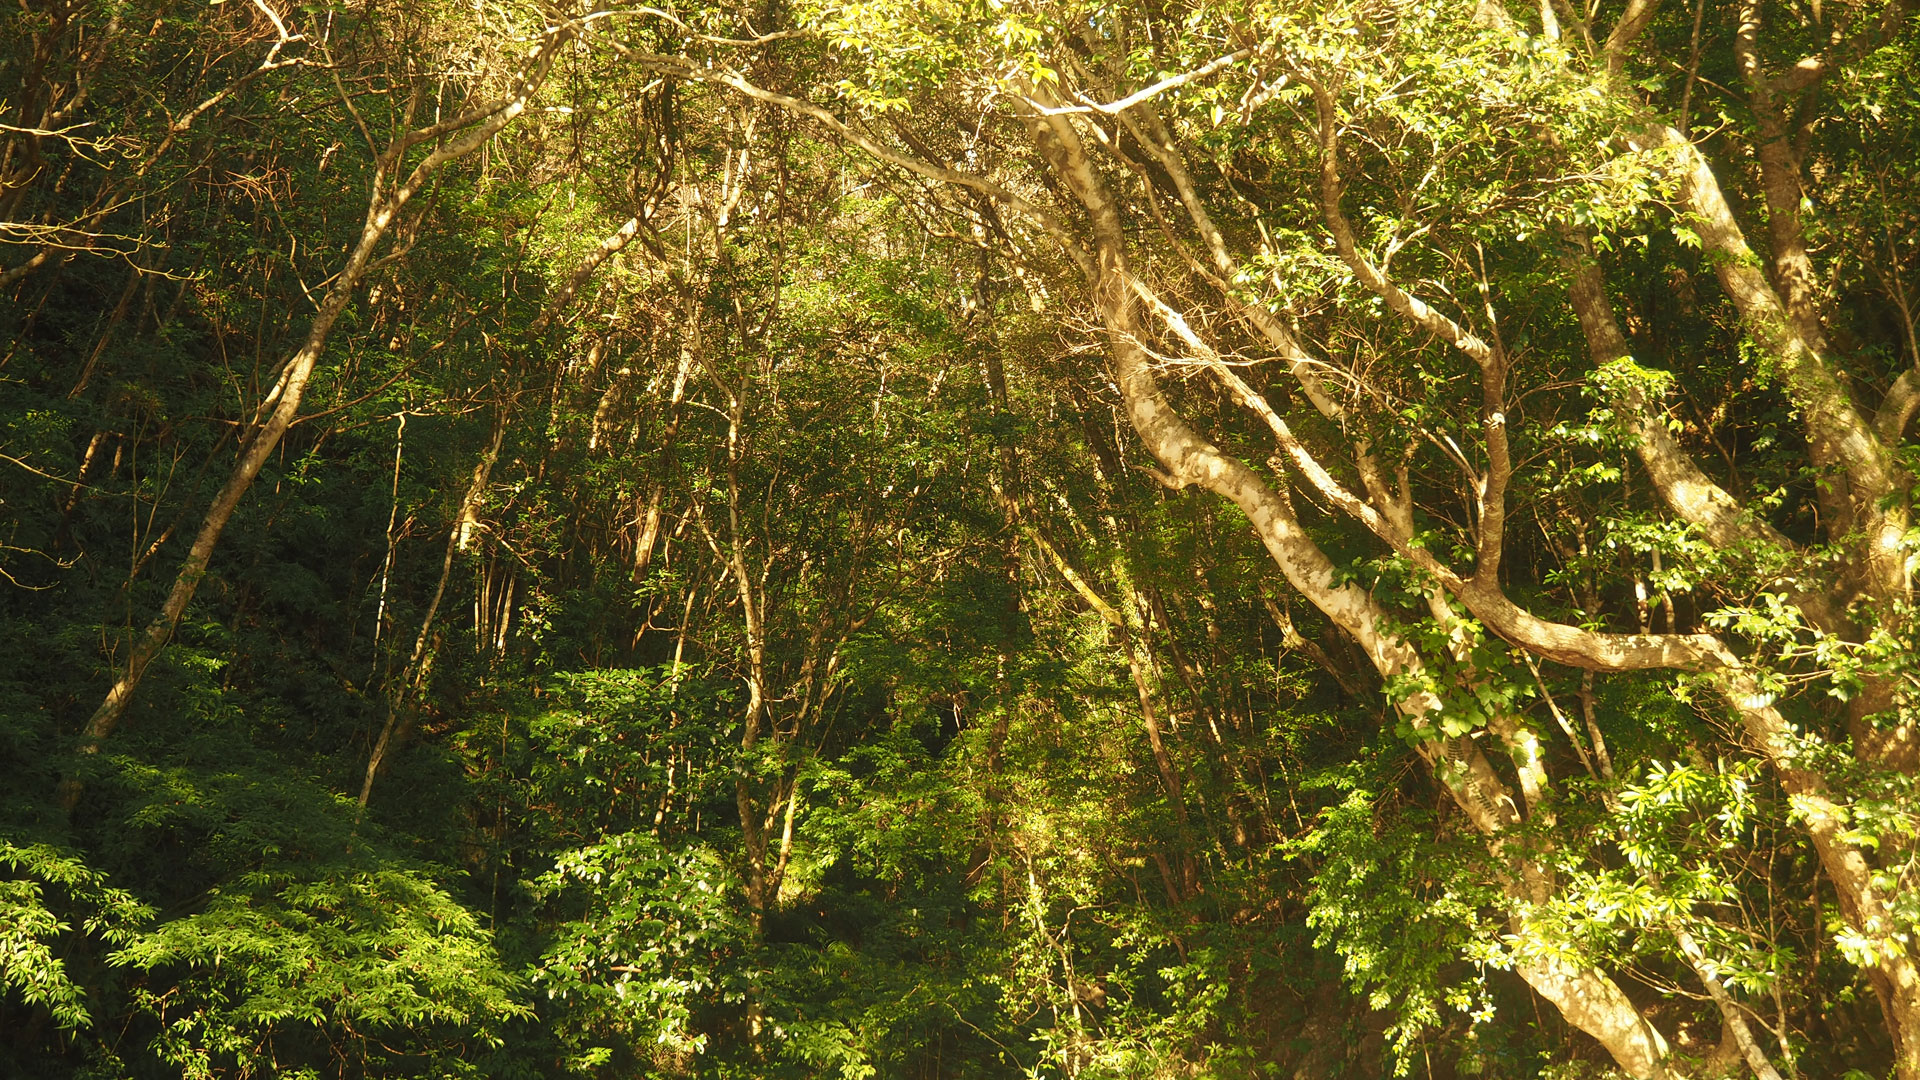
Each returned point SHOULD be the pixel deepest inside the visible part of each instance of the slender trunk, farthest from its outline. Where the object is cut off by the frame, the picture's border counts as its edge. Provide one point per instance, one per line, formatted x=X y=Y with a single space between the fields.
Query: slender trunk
x=393 y=542
x=278 y=410
x=762 y=885
x=401 y=692
x=106 y=333
x=1150 y=717
x=649 y=517
x=1730 y=1014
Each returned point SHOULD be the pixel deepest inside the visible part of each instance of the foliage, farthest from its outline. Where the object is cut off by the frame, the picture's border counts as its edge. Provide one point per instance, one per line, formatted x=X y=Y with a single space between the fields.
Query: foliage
x=660 y=937
x=886 y=539
x=384 y=957
x=29 y=966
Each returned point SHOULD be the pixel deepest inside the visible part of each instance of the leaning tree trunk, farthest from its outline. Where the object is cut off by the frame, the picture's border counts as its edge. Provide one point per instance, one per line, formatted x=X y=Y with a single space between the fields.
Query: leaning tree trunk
x=403 y=693
x=281 y=406
x=1585 y=996
x=1869 y=520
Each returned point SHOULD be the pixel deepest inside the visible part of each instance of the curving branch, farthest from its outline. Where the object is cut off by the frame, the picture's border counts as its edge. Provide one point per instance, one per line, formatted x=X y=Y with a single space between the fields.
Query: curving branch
x=1560 y=642
x=1151 y=132
x=1897 y=408
x=1402 y=303
x=1584 y=995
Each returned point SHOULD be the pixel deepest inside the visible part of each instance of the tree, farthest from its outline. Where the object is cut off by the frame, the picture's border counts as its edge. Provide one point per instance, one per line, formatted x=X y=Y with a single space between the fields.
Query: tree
x=959 y=540
x=392 y=185
x=1204 y=170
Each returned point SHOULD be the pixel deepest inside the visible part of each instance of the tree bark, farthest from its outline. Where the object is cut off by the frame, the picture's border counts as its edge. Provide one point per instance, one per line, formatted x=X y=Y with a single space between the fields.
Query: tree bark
x=278 y=410
x=1586 y=997
x=402 y=708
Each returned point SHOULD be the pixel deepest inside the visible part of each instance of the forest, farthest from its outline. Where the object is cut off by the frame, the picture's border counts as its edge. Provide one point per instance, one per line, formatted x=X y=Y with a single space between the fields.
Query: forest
x=959 y=539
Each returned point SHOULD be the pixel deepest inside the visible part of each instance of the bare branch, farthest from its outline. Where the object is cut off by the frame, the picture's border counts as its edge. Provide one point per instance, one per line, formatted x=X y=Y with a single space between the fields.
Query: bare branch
x=1114 y=108
x=1046 y=220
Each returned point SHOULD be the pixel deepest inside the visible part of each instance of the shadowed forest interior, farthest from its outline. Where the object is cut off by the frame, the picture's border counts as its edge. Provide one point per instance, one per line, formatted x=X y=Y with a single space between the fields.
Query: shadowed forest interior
x=924 y=539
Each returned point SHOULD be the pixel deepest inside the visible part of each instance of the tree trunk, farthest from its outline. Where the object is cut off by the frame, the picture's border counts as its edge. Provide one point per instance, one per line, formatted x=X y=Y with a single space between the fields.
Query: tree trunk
x=402 y=693
x=278 y=410
x=1587 y=998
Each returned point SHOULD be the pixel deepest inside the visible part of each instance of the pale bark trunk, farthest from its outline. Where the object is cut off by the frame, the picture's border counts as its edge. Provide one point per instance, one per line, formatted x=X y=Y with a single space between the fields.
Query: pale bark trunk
x=1838 y=436
x=401 y=707
x=666 y=457
x=1881 y=566
x=1864 y=904
x=1696 y=499
x=1586 y=997
x=281 y=406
